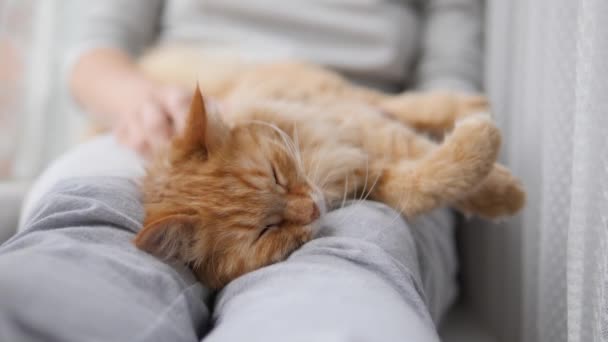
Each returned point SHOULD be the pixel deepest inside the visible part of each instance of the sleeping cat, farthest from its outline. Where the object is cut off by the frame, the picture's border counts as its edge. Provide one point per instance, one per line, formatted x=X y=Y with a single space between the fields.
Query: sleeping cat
x=244 y=184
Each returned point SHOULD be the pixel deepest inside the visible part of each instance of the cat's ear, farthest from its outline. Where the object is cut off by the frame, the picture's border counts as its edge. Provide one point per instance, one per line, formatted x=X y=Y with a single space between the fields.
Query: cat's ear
x=168 y=237
x=203 y=132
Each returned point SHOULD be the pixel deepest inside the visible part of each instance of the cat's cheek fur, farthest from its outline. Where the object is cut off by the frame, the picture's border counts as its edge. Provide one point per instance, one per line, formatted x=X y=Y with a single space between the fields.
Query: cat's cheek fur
x=235 y=254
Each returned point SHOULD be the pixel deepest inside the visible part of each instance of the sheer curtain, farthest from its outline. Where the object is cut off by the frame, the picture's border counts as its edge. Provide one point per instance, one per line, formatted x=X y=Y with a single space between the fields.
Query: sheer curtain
x=37 y=122
x=548 y=78
x=15 y=41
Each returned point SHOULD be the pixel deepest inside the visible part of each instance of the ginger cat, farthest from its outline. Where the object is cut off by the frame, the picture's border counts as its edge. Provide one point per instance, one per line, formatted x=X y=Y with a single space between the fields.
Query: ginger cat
x=243 y=185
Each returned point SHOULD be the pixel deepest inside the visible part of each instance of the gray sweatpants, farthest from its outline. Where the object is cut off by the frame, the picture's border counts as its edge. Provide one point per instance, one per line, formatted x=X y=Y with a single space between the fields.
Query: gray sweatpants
x=72 y=273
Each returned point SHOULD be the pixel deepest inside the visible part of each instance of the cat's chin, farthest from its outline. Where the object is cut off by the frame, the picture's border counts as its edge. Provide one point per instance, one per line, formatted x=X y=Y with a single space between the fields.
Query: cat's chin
x=315 y=229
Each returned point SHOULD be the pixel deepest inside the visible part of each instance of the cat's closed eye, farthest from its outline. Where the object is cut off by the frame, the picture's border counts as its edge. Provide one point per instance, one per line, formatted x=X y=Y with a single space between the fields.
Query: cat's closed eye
x=271 y=226
x=274 y=175
x=278 y=179
x=274 y=221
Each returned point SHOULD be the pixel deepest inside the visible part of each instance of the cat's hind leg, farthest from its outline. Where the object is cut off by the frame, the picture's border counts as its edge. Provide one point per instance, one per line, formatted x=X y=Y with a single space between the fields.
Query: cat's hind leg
x=446 y=173
x=499 y=194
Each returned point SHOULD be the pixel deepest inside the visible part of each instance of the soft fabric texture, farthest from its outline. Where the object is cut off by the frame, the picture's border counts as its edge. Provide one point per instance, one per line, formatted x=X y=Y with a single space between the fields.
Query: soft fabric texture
x=102 y=156
x=359 y=281
x=73 y=275
x=427 y=44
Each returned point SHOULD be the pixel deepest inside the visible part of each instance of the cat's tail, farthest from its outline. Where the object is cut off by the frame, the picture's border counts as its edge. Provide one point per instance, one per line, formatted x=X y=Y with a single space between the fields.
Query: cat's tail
x=448 y=173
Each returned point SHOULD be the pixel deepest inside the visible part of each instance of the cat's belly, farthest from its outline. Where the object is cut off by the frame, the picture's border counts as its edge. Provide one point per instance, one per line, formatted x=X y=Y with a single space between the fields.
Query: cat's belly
x=333 y=126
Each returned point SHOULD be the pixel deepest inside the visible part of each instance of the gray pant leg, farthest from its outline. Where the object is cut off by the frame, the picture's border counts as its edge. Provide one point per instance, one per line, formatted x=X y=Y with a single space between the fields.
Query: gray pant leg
x=99 y=157
x=359 y=281
x=74 y=275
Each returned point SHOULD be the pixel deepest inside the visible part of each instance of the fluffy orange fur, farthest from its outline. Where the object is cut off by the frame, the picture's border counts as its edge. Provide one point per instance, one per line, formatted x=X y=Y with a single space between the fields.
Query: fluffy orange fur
x=243 y=185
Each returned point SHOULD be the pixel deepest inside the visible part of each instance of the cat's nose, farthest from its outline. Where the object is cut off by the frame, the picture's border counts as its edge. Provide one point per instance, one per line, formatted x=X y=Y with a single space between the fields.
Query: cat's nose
x=302 y=211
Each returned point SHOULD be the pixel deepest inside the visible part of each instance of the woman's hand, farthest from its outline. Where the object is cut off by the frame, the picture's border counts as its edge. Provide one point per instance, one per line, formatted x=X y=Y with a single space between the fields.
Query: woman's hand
x=153 y=119
x=142 y=113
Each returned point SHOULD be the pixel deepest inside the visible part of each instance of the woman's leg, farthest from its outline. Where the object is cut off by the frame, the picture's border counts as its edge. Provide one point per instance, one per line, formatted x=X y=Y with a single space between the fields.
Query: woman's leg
x=73 y=273
x=101 y=156
x=362 y=280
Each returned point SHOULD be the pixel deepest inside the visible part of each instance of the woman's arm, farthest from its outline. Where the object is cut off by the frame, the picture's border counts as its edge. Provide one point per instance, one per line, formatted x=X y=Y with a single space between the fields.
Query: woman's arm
x=104 y=79
x=109 y=33
x=452 y=56
x=107 y=84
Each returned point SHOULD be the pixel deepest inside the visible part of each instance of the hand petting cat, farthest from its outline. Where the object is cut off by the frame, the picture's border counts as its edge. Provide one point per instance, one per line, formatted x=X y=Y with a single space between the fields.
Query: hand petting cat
x=154 y=119
x=142 y=113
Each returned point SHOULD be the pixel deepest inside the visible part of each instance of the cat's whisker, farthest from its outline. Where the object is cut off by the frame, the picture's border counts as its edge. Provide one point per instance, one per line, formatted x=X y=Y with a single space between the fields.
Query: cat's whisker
x=365 y=198
x=344 y=202
x=314 y=161
x=294 y=156
x=344 y=199
x=323 y=200
x=289 y=144
x=323 y=183
x=282 y=147
x=366 y=178
x=345 y=191
x=297 y=143
x=388 y=225
x=309 y=167
x=317 y=160
x=372 y=187
x=327 y=178
x=398 y=214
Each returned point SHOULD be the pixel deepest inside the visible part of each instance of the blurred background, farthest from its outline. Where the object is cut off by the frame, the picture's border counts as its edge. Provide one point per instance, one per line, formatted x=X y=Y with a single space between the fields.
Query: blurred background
x=37 y=121
x=542 y=276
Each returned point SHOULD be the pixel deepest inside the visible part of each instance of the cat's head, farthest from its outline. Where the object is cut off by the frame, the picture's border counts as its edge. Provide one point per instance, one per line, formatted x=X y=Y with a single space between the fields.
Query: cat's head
x=225 y=200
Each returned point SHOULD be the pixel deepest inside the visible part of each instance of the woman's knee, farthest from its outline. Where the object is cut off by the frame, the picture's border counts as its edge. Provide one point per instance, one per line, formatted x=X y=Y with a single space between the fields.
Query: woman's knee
x=367 y=220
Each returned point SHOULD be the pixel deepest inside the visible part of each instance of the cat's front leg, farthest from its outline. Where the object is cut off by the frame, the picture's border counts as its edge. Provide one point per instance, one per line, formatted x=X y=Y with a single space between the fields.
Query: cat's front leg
x=499 y=195
x=447 y=173
x=433 y=112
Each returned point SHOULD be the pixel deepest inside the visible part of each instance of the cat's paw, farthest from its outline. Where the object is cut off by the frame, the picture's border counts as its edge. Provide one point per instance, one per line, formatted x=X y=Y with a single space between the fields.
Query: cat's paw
x=498 y=196
x=471 y=151
x=477 y=136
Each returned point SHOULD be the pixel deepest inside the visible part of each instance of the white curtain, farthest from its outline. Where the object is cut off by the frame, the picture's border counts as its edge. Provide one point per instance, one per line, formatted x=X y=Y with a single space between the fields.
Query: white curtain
x=37 y=122
x=548 y=78
x=15 y=41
